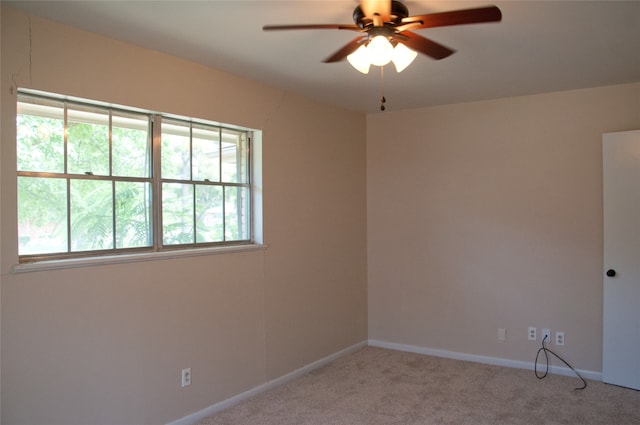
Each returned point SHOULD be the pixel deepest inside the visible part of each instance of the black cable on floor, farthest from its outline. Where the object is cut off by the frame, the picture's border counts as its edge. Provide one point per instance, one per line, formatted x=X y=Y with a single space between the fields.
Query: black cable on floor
x=545 y=350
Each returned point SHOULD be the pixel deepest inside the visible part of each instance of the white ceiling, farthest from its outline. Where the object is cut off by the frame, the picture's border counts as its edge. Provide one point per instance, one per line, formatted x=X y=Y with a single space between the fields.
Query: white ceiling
x=540 y=46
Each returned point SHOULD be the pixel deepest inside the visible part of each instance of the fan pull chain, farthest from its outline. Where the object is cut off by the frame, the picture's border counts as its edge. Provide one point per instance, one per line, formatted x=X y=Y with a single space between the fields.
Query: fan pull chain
x=383 y=100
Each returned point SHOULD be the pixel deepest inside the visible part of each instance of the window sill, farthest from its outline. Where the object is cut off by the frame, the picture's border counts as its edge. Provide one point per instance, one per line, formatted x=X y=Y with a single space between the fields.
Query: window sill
x=131 y=258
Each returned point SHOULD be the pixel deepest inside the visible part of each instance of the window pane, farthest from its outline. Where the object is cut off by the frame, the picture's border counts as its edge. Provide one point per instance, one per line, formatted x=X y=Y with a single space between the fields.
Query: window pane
x=176 y=151
x=133 y=215
x=209 y=219
x=177 y=213
x=131 y=145
x=40 y=136
x=42 y=215
x=91 y=215
x=206 y=153
x=88 y=141
x=236 y=212
x=234 y=153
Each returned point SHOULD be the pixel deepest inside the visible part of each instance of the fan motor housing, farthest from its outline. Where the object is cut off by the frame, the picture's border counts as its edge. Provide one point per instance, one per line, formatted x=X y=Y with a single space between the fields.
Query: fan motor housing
x=398 y=12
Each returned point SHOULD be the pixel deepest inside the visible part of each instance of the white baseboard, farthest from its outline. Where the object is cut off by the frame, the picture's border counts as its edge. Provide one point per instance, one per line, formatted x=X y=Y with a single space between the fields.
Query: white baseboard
x=225 y=404
x=496 y=361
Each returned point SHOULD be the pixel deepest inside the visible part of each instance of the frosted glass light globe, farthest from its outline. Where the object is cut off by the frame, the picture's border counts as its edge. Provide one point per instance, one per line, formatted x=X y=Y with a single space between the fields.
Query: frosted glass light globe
x=402 y=57
x=380 y=50
x=360 y=59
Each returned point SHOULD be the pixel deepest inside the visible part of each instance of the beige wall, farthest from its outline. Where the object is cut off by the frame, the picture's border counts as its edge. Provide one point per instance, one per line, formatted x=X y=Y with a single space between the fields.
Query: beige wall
x=487 y=215
x=105 y=344
x=480 y=215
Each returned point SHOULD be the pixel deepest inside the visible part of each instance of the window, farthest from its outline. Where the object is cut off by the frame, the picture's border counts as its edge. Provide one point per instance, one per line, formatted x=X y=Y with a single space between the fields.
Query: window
x=99 y=180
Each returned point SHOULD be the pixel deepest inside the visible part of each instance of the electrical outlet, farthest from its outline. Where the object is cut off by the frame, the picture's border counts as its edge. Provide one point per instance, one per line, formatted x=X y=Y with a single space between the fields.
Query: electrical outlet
x=546 y=336
x=559 y=338
x=186 y=377
x=502 y=334
x=532 y=333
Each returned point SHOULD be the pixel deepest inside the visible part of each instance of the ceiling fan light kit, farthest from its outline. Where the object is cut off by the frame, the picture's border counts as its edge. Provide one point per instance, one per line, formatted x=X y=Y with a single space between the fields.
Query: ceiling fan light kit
x=388 y=33
x=379 y=51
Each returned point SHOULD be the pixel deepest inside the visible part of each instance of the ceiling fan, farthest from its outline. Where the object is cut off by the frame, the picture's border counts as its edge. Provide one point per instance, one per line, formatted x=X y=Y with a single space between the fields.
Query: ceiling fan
x=388 y=35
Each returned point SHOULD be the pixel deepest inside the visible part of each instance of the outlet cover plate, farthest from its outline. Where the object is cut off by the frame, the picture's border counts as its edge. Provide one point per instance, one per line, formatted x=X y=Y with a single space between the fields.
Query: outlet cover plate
x=546 y=333
x=502 y=334
x=186 y=377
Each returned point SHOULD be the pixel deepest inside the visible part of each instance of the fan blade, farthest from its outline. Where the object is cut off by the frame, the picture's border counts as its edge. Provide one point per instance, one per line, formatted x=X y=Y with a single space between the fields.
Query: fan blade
x=424 y=45
x=373 y=8
x=405 y=27
x=346 y=50
x=311 y=27
x=457 y=17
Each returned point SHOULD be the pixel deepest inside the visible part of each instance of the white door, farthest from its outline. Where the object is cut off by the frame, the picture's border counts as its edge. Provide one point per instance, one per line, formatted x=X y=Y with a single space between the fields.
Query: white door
x=621 y=338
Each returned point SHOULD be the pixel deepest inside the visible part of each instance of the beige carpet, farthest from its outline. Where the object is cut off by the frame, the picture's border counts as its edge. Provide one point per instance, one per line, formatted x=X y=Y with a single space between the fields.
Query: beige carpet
x=376 y=386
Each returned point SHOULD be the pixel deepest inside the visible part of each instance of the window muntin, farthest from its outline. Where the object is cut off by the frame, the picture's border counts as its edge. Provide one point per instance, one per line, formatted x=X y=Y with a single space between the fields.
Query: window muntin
x=86 y=183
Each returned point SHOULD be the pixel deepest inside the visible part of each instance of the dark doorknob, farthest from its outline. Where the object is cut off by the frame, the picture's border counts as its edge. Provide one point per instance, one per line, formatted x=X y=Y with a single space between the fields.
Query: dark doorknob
x=611 y=273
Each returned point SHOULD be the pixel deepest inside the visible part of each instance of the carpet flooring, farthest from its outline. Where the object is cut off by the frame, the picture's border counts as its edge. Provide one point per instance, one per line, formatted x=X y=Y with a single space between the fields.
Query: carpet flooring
x=377 y=386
